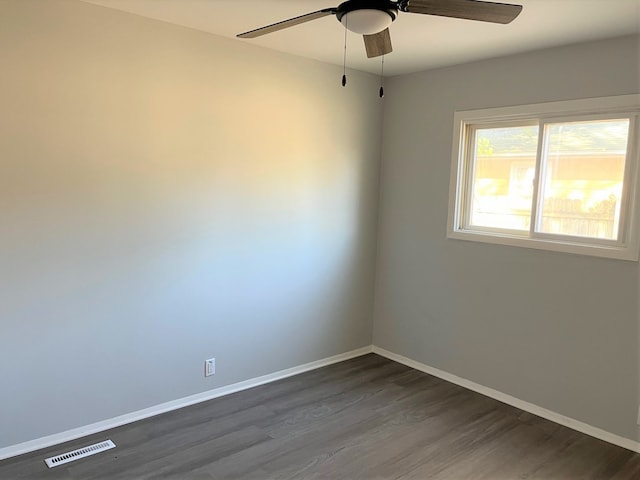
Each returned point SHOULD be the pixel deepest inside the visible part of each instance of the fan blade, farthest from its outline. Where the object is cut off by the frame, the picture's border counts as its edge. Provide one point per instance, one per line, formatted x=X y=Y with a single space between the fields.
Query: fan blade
x=378 y=43
x=469 y=9
x=287 y=23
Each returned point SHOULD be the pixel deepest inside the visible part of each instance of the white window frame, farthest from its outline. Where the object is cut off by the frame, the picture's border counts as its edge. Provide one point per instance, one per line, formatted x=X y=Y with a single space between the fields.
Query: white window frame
x=627 y=247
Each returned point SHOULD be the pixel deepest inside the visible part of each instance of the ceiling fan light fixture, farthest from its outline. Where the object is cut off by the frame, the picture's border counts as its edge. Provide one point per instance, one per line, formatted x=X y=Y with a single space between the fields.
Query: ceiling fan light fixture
x=367 y=21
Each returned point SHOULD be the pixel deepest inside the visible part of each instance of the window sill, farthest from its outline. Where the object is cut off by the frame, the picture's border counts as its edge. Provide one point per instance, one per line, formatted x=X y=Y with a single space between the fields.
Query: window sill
x=617 y=252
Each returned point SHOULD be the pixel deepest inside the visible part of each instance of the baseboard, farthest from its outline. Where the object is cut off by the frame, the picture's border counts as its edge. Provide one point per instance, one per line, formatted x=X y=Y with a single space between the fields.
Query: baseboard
x=101 y=426
x=577 y=425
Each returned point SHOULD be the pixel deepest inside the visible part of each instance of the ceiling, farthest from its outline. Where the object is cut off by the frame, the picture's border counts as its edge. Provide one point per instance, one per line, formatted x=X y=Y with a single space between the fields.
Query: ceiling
x=420 y=42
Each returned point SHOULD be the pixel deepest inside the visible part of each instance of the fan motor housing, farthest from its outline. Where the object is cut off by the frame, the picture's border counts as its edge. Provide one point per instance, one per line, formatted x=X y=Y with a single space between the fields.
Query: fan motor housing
x=352 y=5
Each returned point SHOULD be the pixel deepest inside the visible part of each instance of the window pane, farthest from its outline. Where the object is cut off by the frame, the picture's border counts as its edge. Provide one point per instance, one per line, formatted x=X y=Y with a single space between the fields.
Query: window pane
x=502 y=183
x=583 y=175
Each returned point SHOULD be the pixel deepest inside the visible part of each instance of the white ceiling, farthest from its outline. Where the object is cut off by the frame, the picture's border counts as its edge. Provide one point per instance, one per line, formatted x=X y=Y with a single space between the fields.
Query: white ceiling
x=420 y=42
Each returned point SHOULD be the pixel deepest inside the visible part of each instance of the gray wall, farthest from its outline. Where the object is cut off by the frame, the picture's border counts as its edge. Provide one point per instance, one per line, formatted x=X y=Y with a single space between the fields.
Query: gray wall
x=557 y=330
x=168 y=196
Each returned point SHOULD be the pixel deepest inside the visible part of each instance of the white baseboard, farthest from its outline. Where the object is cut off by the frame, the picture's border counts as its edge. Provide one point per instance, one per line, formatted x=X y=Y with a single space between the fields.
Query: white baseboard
x=97 y=427
x=577 y=425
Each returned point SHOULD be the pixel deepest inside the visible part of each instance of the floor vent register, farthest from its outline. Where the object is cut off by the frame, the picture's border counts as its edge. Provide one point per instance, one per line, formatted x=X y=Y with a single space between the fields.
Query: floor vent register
x=78 y=454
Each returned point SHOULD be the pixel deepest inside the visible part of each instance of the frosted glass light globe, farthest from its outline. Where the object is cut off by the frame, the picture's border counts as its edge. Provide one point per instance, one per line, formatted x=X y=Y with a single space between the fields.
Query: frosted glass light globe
x=366 y=21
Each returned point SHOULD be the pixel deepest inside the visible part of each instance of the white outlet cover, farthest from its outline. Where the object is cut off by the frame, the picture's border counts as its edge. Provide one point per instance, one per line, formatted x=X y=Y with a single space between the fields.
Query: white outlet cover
x=209 y=367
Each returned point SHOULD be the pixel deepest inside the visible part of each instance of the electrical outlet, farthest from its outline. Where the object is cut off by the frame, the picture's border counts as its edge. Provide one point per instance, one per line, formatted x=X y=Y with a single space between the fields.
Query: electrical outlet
x=209 y=367
x=638 y=415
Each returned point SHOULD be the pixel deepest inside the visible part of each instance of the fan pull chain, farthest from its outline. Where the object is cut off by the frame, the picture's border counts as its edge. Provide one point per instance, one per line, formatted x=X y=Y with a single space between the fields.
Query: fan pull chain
x=382 y=79
x=344 y=58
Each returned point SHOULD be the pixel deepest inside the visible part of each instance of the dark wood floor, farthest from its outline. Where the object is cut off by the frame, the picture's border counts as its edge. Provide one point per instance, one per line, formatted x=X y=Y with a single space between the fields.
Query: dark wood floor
x=367 y=418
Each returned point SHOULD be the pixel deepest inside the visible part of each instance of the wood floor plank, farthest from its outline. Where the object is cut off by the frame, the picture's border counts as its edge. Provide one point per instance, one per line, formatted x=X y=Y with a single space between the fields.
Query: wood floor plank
x=630 y=470
x=303 y=442
x=367 y=418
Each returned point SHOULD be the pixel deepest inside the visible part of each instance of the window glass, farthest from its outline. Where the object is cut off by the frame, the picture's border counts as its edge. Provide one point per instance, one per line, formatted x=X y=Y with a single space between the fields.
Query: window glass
x=503 y=174
x=583 y=166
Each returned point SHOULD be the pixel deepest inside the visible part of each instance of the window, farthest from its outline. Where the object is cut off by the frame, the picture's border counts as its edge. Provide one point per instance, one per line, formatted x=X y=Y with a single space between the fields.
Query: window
x=559 y=176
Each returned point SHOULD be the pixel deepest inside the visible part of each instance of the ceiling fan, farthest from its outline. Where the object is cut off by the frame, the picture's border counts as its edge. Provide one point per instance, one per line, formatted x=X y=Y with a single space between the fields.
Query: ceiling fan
x=371 y=18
